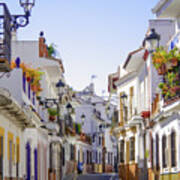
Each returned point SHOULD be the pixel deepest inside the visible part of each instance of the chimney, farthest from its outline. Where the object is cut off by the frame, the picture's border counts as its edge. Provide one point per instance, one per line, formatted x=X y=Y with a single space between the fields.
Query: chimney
x=42 y=45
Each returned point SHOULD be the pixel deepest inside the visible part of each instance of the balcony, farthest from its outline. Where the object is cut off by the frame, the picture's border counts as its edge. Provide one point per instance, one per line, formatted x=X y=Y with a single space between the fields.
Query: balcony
x=74 y=130
x=168 y=66
x=21 y=116
x=5 y=39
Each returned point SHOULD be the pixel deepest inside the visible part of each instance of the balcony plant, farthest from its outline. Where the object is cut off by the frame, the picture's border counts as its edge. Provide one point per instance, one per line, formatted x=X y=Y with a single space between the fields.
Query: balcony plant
x=164 y=61
x=78 y=128
x=159 y=59
x=52 y=52
x=52 y=113
x=168 y=65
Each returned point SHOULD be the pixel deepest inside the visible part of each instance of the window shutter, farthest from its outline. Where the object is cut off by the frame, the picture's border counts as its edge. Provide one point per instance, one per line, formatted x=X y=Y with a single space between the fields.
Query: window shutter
x=131 y=92
x=127 y=152
x=169 y=151
x=121 y=109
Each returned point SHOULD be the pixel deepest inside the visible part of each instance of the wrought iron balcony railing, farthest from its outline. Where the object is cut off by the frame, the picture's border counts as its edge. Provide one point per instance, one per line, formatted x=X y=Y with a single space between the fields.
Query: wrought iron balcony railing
x=5 y=38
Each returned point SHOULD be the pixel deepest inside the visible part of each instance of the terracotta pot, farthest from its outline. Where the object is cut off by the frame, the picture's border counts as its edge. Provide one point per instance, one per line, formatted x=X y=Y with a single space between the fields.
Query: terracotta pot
x=174 y=62
x=28 y=79
x=52 y=118
x=162 y=69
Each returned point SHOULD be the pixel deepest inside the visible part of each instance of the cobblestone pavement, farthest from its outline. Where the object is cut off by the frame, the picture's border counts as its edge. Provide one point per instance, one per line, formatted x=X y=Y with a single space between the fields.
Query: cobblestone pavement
x=92 y=177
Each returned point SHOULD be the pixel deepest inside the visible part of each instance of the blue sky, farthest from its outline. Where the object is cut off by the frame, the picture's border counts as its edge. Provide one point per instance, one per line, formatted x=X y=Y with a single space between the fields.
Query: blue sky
x=92 y=36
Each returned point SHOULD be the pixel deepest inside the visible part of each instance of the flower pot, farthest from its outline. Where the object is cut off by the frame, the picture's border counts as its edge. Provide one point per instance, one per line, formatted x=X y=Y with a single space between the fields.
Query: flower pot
x=175 y=89
x=52 y=118
x=162 y=69
x=38 y=98
x=28 y=79
x=174 y=62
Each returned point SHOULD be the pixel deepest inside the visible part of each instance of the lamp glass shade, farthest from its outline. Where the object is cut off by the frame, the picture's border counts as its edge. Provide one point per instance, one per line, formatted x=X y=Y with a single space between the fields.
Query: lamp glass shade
x=69 y=108
x=108 y=110
x=124 y=98
x=152 y=40
x=27 y=4
x=60 y=86
x=83 y=118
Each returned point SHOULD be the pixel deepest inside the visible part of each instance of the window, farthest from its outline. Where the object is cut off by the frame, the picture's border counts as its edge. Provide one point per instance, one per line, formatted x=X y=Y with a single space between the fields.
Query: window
x=132 y=149
x=109 y=158
x=72 y=155
x=94 y=138
x=157 y=152
x=173 y=149
x=131 y=93
x=29 y=90
x=90 y=157
x=164 y=150
x=10 y=157
x=78 y=155
x=24 y=82
x=1 y=157
x=121 y=151
x=121 y=108
x=17 y=159
x=83 y=157
x=100 y=158
x=96 y=157
x=87 y=157
x=152 y=152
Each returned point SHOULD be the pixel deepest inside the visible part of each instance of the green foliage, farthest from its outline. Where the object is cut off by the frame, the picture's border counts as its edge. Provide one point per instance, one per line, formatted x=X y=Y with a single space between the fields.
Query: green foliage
x=52 y=52
x=170 y=61
x=52 y=111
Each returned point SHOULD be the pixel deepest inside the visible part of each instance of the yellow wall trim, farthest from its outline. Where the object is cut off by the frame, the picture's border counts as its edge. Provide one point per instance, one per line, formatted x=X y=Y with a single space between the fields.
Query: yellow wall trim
x=10 y=138
x=170 y=176
x=17 y=150
x=2 y=131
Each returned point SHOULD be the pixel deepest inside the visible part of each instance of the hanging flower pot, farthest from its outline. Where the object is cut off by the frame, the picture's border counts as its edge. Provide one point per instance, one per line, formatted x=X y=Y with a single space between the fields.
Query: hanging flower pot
x=38 y=98
x=28 y=79
x=52 y=118
x=162 y=69
x=174 y=62
x=168 y=65
x=34 y=88
x=175 y=89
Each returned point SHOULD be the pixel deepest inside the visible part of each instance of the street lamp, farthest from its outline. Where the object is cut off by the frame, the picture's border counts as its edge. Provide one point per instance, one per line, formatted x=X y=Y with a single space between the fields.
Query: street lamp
x=23 y=20
x=152 y=40
x=83 y=118
x=27 y=5
x=108 y=110
x=50 y=102
x=124 y=99
x=60 y=86
x=10 y=23
x=69 y=108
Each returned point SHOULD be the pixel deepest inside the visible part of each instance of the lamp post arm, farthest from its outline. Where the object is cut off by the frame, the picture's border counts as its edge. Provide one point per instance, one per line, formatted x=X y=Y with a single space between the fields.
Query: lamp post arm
x=20 y=20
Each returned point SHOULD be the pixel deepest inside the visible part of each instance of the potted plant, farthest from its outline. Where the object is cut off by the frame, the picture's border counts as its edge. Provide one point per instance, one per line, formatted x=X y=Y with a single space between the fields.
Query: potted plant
x=52 y=113
x=174 y=56
x=51 y=50
x=78 y=128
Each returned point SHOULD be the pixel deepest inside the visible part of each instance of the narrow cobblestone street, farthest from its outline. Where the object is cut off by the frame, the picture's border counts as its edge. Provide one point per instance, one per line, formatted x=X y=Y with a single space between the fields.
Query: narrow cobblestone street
x=93 y=177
